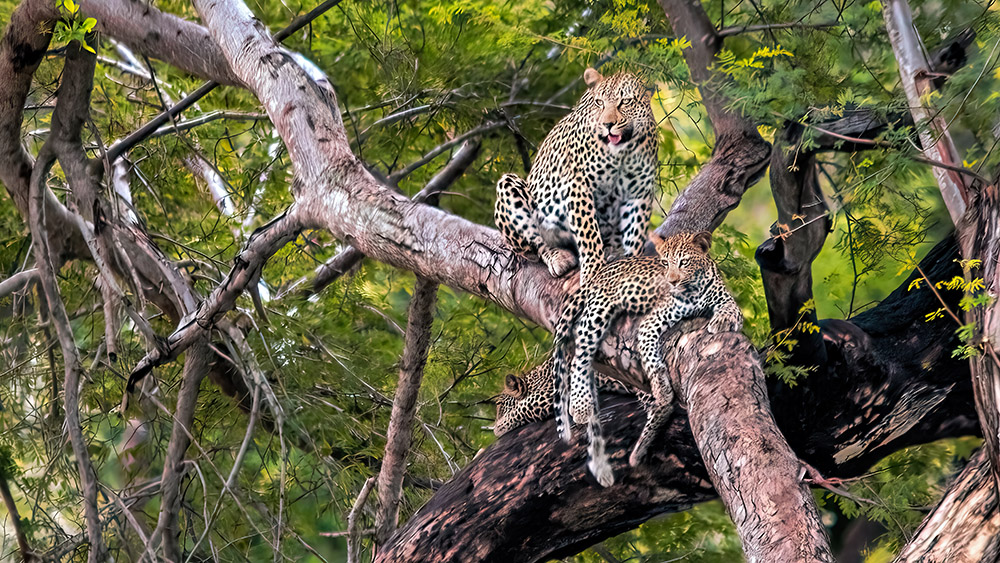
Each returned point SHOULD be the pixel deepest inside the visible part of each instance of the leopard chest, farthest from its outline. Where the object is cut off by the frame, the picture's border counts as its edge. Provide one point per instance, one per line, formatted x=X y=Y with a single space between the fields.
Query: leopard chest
x=586 y=174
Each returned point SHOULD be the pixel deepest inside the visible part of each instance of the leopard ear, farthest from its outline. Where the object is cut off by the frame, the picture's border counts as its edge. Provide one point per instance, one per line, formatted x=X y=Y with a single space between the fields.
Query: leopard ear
x=702 y=240
x=515 y=386
x=592 y=77
x=651 y=89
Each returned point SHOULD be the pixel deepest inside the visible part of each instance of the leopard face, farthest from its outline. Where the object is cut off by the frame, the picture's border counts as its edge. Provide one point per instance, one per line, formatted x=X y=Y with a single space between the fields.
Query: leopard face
x=619 y=108
x=524 y=399
x=685 y=258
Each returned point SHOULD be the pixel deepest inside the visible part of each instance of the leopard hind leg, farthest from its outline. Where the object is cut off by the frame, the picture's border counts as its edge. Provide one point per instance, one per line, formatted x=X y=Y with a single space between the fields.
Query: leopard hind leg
x=513 y=214
x=572 y=307
x=659 y=409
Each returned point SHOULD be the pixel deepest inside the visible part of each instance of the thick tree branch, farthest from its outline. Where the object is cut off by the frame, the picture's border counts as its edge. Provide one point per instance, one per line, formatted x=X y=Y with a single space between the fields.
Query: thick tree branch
x=739 y=157
x=965 y=525
x=348 y=258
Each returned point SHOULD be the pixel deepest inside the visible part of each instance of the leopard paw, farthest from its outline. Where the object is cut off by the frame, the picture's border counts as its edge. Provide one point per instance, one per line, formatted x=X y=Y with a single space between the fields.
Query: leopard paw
x=602 y=471
x=559 y=260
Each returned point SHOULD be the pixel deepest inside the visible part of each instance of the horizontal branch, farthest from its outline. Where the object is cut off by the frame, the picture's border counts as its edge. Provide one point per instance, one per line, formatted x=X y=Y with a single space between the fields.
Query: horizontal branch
x=737 y=30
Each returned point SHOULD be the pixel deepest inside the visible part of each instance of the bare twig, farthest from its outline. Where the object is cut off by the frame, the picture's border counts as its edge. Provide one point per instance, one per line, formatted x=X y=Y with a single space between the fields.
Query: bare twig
x=353 y=537
x=395 y=177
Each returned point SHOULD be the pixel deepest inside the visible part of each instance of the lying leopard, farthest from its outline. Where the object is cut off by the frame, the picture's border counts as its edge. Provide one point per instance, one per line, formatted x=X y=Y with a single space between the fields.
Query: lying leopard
x=590 y=189
x=528 y=398
x=681 y=282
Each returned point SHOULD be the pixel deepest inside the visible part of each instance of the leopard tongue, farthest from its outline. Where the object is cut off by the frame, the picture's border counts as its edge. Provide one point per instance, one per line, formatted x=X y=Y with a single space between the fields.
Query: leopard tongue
x=614 y=139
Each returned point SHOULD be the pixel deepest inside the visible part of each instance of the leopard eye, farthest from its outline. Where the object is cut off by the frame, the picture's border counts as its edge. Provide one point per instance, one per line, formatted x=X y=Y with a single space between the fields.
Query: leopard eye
x=599 y=102
x=682 y=263
x=628 y=101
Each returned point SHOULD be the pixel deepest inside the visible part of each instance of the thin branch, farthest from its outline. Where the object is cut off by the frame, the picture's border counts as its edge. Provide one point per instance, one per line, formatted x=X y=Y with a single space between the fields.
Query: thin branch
x=208 y=118
x=18 y=281
x=730 y=31
x=404 y=406
x=77 y=64
x=915 y=75
x=395 y=177
x=27 y=555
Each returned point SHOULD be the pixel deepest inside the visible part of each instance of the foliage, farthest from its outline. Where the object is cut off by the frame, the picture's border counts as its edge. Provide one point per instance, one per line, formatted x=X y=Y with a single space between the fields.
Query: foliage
x=332 y=359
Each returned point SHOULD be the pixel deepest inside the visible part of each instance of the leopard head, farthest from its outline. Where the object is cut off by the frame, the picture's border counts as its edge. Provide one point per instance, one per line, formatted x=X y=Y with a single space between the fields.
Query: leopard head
x=621 y=108
x=524 y=399
x=684 y=255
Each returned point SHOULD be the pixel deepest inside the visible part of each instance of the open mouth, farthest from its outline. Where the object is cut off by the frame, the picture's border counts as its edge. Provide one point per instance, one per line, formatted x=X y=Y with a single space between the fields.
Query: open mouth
x=614 y=139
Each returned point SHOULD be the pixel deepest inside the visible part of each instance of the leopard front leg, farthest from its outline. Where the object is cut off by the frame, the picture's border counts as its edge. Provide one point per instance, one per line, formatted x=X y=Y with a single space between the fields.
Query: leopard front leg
x=514 y=216
x=651 y=328
x=726 y=314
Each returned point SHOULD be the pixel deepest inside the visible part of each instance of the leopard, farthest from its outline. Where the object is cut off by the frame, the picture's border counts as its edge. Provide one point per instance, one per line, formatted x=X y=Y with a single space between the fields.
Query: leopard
x=527 y=398
x=589 y=191
x=682 y=281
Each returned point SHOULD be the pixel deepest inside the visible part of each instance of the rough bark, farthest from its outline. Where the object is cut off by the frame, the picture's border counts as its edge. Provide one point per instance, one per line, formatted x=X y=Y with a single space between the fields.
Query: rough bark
x=965 y=525
x=979 y=238
x=526 y=497
x=758 y=477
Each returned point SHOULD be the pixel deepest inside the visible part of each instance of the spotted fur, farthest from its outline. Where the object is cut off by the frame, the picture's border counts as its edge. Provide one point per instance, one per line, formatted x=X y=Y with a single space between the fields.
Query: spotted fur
x=681 y=282
x=528 y=398
x=590 y=189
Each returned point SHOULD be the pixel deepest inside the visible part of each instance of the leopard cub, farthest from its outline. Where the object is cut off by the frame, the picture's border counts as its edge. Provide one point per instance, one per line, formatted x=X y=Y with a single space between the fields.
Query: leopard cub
x=681 y=282
x=528 y=398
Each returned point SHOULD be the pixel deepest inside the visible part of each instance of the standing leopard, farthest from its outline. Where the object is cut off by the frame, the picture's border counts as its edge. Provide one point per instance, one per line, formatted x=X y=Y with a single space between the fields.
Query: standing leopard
x=528 y=398
x=590 y=189
x=681 y=282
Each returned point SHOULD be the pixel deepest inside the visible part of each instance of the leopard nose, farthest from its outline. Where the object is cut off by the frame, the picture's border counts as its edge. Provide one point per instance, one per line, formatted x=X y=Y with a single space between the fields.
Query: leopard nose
x=673 y=277
x=609 y=125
